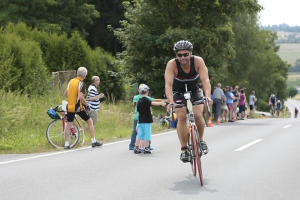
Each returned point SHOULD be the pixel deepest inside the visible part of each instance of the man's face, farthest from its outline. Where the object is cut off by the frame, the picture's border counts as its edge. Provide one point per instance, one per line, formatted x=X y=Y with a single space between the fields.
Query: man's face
x=183 y=57
x=97 y=82
x=236 y=88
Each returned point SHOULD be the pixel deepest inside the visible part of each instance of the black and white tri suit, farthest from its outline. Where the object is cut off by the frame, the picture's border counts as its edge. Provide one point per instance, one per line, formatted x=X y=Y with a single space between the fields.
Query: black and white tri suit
x=191 y=79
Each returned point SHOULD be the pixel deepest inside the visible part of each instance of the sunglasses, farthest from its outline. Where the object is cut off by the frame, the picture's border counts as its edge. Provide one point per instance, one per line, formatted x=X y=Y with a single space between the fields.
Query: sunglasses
x=184 y=55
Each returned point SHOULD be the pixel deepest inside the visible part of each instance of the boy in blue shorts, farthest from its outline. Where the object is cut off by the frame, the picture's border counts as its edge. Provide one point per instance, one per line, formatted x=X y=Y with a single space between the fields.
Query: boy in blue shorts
x=144 y=120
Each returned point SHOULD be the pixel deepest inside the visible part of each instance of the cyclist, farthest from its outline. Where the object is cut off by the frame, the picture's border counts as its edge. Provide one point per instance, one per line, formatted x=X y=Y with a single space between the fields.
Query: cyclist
x=278 y=107
x=78 y=105
x=182 y=70
x=272 y=101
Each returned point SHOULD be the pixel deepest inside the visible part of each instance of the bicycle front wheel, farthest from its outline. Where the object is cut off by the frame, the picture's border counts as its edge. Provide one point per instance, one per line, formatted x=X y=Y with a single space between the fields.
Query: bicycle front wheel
x=197 y=150
x=192 y=154
x=56 y=136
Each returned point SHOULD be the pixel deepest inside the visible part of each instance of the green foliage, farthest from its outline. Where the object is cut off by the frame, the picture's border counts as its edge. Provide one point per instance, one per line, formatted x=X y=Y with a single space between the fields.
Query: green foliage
x=152 y=28
x=31 y=54
x=99 y=35
x=22 y=64
x=50 y=15
x=292 y=91
x=23 y=121
x=296 y=68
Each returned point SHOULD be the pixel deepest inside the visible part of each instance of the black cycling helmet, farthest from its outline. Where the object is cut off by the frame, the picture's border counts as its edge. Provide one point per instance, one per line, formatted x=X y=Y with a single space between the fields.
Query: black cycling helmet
x=183 y=45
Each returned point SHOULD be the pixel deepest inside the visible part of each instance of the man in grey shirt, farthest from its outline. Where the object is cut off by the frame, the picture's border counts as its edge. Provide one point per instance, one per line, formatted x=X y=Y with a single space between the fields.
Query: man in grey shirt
x=218 y=95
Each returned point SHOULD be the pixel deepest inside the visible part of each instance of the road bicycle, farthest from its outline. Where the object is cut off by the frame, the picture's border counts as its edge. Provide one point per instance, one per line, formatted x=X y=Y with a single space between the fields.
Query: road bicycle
x=194 y=144
x=272 y=111
x=55 y=132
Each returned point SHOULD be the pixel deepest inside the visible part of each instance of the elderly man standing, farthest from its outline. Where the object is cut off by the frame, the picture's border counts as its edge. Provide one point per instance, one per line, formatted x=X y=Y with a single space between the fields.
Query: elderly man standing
x=78 y=105
x=218 y=95
x=93 y=98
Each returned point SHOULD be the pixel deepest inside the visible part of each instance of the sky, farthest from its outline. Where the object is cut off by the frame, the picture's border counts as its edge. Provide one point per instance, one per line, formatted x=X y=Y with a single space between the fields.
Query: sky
x=280 y=11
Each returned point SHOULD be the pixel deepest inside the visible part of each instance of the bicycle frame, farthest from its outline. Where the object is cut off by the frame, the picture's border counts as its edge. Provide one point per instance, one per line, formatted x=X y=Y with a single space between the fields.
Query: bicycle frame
x=77 y=129
x=194 y=144
x=78 y=123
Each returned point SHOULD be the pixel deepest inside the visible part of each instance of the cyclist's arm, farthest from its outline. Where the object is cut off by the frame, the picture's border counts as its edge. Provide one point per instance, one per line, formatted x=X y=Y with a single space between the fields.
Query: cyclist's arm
x=66 y=93
x=203 y=73
x=82 y=99
x=169 y=78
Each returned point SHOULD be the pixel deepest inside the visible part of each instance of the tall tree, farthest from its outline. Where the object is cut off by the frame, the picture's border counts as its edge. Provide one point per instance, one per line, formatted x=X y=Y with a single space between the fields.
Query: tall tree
x=50 y=15
x=153 y=26
x=112 y=11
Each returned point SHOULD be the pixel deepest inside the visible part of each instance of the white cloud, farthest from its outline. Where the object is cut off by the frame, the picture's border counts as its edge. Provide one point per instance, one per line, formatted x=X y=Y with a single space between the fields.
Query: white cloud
x=280 y=11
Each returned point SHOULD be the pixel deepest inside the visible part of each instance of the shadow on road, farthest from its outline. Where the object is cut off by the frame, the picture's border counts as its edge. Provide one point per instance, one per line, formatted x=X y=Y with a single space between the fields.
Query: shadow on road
x=191 y=186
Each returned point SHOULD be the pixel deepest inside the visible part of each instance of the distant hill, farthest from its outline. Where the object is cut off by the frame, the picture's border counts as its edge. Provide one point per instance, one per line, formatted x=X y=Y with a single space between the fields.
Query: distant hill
x=286 y=33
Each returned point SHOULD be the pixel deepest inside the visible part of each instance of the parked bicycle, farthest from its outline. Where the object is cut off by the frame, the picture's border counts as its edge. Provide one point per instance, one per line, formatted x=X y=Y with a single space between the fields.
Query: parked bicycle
x=194 y=144
x=55 y=132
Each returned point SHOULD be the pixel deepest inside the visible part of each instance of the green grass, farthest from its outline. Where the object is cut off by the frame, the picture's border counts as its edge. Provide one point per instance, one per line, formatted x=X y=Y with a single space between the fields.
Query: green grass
x=293 y=79
x=23 y=122
x=297 y=97
x=289 y=52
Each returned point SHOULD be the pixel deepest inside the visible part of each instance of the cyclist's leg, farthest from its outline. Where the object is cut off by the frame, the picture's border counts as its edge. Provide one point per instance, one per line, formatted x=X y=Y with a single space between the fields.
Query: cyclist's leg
x=70 y=118
x=199 y=119
x=181 y=126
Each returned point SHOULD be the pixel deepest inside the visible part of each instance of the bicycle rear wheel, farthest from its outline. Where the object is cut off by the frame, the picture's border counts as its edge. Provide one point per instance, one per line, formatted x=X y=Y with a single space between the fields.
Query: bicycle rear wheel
x=198 y=153
x=56 y=136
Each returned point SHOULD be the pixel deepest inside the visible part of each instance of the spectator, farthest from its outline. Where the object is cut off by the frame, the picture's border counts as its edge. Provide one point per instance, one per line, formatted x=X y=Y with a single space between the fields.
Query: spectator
x=236 y=94
x=135 y=118
x=241 y=105
x=224 y=108
x=145 y=119
x=93 y=98
x=252 y=100
x=229 y=98
x=218 y=94
x=78 y=105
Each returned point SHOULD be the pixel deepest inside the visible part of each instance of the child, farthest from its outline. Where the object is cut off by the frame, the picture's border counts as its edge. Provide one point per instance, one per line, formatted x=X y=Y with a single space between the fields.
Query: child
x=136 y=98
x=145 y=119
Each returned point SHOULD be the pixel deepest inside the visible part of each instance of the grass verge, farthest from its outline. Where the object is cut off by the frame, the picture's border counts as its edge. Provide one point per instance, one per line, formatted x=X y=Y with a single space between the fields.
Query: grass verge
x=23 y=122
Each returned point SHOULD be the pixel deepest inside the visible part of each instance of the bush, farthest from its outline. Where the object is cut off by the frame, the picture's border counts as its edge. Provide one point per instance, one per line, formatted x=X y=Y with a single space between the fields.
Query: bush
x=292 y=91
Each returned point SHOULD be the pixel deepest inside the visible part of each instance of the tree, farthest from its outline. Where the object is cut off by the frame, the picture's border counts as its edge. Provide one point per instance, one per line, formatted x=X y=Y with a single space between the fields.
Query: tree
x=152 y=27
x=292 y=91
x=50 y=15
x=99 y=35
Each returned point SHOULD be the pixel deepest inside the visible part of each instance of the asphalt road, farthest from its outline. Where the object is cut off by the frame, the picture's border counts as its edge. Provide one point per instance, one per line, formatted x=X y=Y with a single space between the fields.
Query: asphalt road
x=249 y=159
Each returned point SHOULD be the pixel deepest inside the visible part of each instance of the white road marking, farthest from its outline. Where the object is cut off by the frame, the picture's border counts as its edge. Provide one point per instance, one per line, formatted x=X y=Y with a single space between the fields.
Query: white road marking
x=248 y=145
x=287 y=126
x=69 y=151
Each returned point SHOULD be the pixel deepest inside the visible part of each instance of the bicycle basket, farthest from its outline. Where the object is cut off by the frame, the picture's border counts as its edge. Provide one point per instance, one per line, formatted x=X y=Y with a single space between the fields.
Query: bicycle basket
x=52 y=114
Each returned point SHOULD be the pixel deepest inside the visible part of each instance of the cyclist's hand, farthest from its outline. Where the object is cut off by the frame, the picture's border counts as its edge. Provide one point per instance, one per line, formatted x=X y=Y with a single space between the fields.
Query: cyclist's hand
x=210 y=101
x=170 y=107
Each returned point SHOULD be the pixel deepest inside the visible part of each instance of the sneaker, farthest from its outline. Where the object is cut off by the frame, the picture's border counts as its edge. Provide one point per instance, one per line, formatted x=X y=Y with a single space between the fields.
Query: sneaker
x=147 y=151
x=67 y=147
x=97 y=144
x=185 y=156
x=137 y=150
x=131 y=148
x=204 y=147
x=230 y=120
x=151 y=148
